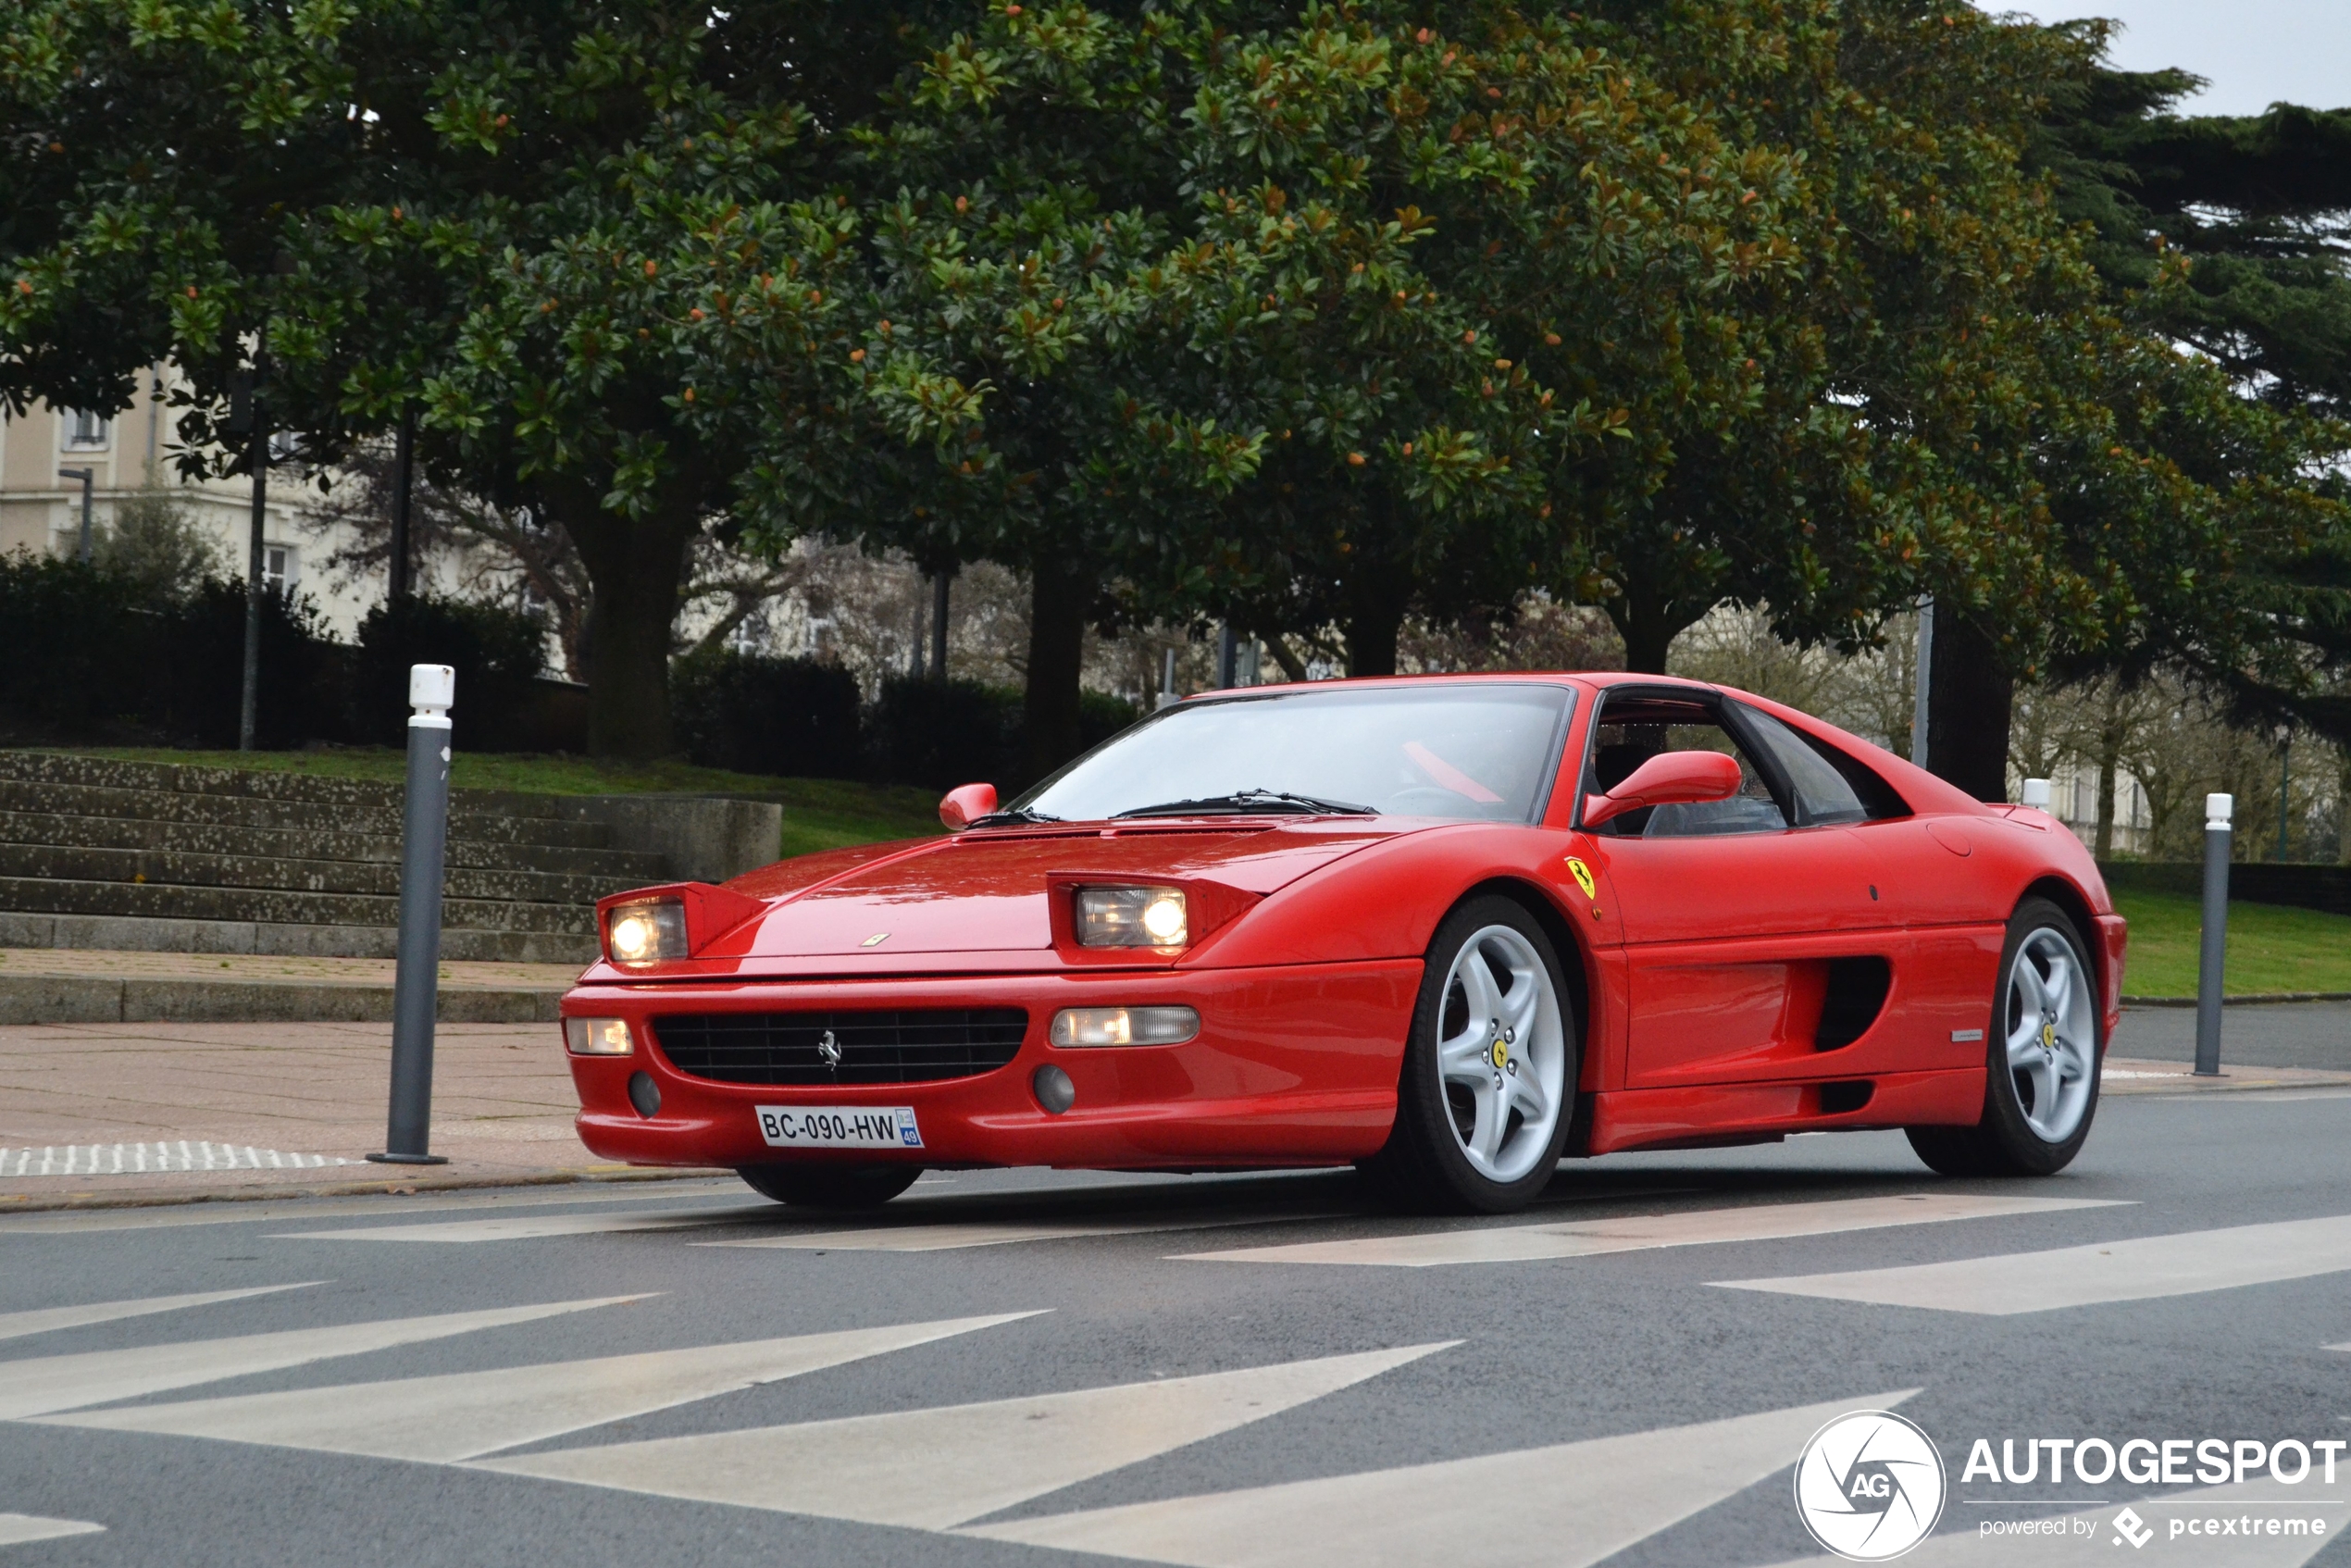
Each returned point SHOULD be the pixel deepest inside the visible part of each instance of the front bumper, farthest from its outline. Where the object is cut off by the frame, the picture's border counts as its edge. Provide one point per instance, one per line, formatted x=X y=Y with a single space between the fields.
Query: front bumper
x=1295 y=1065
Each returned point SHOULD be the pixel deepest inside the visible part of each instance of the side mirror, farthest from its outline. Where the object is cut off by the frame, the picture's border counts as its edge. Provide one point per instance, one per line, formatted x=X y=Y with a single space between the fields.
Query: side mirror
x=960 y=808
x=1669 y=778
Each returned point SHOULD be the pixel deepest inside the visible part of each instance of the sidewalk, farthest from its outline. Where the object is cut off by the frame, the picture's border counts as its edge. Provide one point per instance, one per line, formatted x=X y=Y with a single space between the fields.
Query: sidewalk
x=502 y=1104
x=95 y=986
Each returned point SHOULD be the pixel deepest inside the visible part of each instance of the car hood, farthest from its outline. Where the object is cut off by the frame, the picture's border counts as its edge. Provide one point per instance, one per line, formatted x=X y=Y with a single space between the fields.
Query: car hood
x=985 y=892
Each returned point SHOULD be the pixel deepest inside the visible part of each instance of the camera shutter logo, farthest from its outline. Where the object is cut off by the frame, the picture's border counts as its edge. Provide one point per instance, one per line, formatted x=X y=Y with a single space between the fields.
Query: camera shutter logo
x=1870 y=1485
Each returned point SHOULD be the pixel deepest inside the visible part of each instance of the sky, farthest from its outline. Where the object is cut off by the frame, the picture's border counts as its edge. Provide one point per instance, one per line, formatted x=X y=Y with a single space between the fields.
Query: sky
x=2253 y=52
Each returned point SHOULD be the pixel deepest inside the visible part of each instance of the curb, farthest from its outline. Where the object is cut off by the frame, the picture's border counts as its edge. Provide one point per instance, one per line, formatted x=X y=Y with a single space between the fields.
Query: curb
x=96 y=999
x=13 y=1204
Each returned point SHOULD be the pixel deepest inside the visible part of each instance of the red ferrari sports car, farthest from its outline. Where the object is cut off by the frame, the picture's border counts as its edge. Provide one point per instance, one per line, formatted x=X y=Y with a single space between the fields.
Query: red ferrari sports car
x=1448 y=928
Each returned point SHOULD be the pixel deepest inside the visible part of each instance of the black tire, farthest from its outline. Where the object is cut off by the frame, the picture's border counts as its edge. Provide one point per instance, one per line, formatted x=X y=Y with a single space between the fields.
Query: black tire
x=2004 y=1142
x=830 y=1187
x=1423 y=1166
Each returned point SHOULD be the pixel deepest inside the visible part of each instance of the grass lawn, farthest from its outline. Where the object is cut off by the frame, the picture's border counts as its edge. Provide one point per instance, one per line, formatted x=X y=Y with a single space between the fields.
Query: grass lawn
x=2271 y=947
x=819 y=814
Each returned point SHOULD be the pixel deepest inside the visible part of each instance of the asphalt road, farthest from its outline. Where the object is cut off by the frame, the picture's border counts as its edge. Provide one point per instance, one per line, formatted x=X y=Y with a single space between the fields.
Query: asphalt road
x=1333 y=1387
x=2288 y=1034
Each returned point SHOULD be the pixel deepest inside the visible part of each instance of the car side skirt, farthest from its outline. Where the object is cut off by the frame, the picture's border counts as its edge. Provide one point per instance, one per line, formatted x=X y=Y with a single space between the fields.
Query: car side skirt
x=1689 y=1117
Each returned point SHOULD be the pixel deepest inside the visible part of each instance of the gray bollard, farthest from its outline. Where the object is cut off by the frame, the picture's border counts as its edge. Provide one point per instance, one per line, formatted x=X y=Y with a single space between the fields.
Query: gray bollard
x=2212 y=961
x=424 y=844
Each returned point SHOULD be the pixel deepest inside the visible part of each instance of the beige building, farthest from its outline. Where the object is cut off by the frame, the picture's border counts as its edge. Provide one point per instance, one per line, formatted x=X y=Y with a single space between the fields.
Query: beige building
x=41 y=509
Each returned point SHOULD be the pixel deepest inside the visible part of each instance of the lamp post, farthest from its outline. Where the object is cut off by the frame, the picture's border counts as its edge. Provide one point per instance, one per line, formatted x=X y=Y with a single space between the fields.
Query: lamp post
x=87 y=476
x=1925 y=669
x=2285 y=789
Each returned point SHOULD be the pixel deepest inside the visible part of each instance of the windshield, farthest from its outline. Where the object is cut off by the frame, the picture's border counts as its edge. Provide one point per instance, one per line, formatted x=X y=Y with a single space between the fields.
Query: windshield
x=1483 y=751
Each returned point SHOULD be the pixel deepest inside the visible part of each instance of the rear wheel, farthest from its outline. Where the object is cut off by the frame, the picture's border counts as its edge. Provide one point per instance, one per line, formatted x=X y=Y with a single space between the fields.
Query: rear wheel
x=830 y=1187
x=1482 y=1106
x=2041 y=1079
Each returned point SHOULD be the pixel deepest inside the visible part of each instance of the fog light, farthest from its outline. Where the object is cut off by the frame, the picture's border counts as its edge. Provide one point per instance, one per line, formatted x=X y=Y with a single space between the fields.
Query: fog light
x=644 y=1094
x=650 y=932
x=598 y=1037
x=1054 y=1092
x=1076 y=1027
x=1133 y=917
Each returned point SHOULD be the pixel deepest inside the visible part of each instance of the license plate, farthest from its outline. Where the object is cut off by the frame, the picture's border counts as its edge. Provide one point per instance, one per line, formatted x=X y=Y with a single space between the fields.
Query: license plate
x=838 y=1127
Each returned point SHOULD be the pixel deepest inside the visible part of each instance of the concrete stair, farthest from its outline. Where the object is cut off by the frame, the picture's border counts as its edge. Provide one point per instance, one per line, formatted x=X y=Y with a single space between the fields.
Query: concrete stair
x=96 y=852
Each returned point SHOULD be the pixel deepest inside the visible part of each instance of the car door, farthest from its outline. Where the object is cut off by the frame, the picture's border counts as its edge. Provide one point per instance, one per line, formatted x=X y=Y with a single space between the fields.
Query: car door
x=1734 y=912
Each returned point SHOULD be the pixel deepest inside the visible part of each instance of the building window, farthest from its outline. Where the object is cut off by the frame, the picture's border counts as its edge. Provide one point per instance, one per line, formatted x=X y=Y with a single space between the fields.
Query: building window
x=85 y=431
x=278 y=567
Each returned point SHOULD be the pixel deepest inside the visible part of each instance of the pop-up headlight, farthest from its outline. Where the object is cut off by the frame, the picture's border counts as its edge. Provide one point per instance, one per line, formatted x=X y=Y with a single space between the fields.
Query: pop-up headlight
x=652 y=931
x=1133 y=917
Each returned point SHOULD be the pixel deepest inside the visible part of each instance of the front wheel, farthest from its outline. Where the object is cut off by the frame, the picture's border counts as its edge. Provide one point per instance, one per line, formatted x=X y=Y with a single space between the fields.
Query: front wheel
x=2041 y=1079
x=1482 y=1105
x=830 y=1187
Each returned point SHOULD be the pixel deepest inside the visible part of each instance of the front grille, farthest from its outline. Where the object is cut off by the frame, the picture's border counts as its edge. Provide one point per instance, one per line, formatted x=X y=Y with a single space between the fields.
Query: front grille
x=876 y=1048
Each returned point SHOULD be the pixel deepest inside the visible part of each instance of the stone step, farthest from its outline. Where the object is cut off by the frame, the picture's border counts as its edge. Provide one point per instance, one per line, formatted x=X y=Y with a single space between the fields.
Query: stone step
x=89 y=999
x=276 y=906
x=470 y=825
x=173 y=867
x=312 y=845
x=114 y=773
x=117 y=933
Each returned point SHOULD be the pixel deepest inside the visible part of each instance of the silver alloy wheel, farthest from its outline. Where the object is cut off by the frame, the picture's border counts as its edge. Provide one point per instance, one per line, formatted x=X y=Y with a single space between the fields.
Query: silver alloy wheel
x=1501 y=1053
x=2052 y=1035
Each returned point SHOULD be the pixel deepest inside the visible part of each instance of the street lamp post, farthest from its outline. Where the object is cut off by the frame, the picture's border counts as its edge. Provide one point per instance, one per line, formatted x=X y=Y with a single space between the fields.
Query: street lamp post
x=424 y=846
x=88 y=477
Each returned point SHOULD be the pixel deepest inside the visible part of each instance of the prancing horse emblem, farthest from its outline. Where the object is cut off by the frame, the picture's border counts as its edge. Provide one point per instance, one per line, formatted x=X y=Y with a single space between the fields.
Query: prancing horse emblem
x=829 y=1049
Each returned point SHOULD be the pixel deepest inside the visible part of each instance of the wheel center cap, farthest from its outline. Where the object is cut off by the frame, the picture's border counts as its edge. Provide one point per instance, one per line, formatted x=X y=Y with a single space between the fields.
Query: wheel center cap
x=1501 y=1053
x=2048 y=1034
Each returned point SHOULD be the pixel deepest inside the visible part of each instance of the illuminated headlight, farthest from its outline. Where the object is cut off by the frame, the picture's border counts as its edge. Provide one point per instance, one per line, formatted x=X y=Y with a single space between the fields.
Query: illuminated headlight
x=1132 y=917
x=598 y=1037
x=651 y=932
x=1125 y=1025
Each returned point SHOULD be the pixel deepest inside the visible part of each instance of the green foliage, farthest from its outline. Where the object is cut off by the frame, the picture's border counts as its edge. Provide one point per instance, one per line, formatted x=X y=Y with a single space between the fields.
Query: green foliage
x=157 y=543
x=756 y=715
x=496 y=653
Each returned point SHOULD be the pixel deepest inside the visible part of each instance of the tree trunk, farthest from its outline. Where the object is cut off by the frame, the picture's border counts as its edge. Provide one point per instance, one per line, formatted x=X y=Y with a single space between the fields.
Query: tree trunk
x=633 y=571
x=1374 y=616
x=1969 y=698
x=1647 y=628
x=1059 y=598
x=2110 y=764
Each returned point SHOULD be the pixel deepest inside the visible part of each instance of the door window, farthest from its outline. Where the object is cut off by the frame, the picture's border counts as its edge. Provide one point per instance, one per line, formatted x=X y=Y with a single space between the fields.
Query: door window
x=1823 y=795
x=1633 y=729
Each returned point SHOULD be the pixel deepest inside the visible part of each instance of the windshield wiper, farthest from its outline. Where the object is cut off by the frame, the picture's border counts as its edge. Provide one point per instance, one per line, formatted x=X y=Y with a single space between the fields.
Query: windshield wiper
x=1248 y=802
x=1012 y=816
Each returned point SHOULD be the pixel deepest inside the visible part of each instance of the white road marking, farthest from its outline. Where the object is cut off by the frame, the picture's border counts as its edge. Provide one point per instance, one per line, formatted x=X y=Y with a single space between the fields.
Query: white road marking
x=526 y=1227
x=2258 y=1501
x=985 y=1233
x=1584 y=1239
x=17 y=1528
x=2181 y=1264
x=931 y=1469
x=75 y=1222
x=140 y=1159
x=45 y=1320
x=463 y=1415
x=41 y=1386
x=1565 y=1506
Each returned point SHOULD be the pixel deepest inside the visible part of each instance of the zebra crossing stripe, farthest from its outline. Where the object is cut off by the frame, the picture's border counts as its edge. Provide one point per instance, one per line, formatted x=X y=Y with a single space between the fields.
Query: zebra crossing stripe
x=1565 y=1506
x=1584 y=1239
x=47 y=1384
x=933 y=1469
x=2184 y=1263
x=17 y=1528
x=528 y=1227
x=982 y=1233
x=463 y=1415
x=45 y=1320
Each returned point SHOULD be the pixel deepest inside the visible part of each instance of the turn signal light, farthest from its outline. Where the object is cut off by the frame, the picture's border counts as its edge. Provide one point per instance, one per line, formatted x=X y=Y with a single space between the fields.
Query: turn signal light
x=1124 y=1026
x=598 y=1037
x=650 y=932
x=1133 y=917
